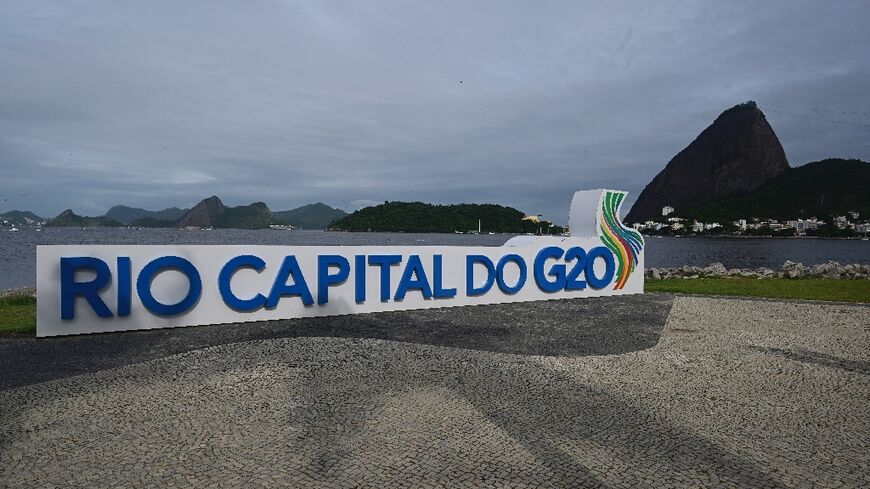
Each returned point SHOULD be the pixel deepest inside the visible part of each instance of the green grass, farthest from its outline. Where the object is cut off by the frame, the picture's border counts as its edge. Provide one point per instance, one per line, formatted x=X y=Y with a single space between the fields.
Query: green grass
x=18 y=314
x=775 y=288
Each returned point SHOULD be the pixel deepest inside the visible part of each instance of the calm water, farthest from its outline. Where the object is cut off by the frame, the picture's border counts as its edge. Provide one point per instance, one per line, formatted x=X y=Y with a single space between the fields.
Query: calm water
x=18 y=249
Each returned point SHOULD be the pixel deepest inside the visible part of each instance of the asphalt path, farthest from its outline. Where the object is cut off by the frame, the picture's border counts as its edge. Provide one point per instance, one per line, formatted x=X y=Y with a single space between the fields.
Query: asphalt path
x=595 y=326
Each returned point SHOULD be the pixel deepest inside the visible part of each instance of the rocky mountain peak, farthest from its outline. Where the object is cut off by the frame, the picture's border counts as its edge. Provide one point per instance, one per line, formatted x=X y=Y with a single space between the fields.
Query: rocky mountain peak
x=203 y=214
x=736 y=154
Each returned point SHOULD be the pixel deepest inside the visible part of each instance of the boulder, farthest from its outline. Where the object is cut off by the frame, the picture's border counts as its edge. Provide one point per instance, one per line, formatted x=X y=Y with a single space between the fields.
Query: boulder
x=830 y=269
x=714 y=270
x=792 y=269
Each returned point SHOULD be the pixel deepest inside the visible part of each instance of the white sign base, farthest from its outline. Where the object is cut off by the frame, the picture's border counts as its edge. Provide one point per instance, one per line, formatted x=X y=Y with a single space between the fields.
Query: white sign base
x=93 y=289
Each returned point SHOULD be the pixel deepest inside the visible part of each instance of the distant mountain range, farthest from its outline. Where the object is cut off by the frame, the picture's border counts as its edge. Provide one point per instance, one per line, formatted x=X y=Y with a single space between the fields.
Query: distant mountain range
x=68 y=218
x=210 y=212
x=737 y=169
x=126 y=215
x=311 y=216
x=390 y=216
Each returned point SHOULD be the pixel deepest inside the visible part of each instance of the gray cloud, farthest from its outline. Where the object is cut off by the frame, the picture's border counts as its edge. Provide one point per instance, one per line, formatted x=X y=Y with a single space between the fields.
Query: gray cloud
x=158 y=104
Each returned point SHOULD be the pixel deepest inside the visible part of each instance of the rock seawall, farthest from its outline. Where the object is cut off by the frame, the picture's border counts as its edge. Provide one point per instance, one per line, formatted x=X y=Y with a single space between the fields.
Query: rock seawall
x=789 y=269
x=30 y=291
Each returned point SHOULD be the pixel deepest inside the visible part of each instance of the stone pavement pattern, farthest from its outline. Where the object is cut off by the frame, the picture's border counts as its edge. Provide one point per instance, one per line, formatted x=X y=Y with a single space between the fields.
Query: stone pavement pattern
x=736 y=393
x=594 y=326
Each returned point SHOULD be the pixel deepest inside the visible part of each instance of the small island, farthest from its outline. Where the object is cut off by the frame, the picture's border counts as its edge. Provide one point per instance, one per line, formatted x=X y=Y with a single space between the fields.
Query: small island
x=420 y=217
x=68 y=218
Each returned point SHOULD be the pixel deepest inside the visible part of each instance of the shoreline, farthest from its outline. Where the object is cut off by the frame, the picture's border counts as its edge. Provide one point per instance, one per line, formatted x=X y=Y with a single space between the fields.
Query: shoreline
x=16 y=291
x=788 y=270
x=726 y=236
x=737 y=236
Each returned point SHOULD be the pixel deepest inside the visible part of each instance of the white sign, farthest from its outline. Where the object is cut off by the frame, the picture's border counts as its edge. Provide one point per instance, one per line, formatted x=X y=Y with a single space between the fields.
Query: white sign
x=97 y=288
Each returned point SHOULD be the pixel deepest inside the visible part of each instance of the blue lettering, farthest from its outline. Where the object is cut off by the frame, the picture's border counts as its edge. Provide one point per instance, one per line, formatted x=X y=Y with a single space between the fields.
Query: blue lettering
x=325 y=279
x=225 y=276
x=413 y=268
x=572 y=281
x=125 y=285
x=385 y=262
x=470 y=260
x=70 y=289
x=557 y=271
x=159 y=265
x=499 y=273
x=440 y=292
x=289 y=268
x=359 y=278
x=609 y=269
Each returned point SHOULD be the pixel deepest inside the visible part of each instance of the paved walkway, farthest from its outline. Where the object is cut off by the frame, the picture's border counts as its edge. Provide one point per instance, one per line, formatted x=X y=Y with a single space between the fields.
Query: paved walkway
x=598 y=326
x=729 y=393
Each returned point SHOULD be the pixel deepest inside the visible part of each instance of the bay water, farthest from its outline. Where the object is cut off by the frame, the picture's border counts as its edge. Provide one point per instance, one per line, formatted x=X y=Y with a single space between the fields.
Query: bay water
x=18 y=249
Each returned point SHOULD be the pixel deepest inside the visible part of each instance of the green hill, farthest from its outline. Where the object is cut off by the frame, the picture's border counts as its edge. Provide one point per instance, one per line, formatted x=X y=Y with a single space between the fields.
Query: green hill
x=126 y=215
x=311 y=216
x=211 y=212
x=429 y=218
x=151 y=222
x=822 y=188
x=254 y=216
x=68 y=218
x=21 y=218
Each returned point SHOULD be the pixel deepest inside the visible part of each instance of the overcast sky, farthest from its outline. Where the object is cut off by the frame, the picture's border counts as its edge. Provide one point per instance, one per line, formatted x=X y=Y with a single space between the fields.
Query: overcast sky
x=157 y=104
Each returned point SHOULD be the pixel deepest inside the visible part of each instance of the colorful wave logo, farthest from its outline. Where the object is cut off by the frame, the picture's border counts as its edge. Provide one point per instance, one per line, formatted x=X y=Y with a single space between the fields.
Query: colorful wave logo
x=625 y=243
